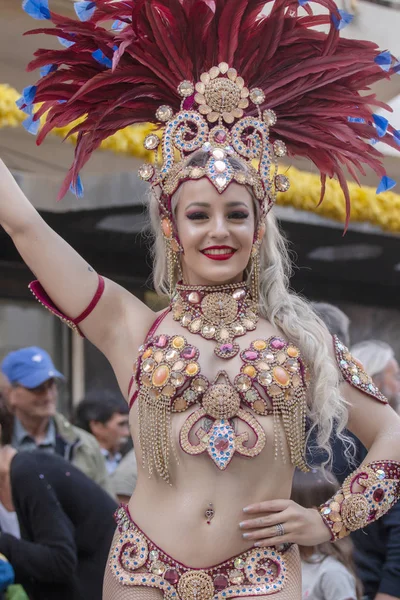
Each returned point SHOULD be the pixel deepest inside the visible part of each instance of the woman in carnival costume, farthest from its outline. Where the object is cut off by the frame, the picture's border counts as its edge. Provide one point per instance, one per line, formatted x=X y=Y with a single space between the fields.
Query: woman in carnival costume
x=225 y=377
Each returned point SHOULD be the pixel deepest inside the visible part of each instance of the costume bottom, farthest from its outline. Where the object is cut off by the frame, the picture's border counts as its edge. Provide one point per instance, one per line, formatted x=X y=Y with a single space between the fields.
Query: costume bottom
x=139 y=570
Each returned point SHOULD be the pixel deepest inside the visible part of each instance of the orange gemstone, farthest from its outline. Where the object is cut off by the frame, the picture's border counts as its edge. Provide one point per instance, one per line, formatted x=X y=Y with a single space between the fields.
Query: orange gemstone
x=259 y=345
x=281 y=375
x=147 y=353
x=166 y=228
x=250 y=371
x=192 y=369
x=160 y=376
x=180 y=404
x=174 y=245
x=292 y=352
x=178 y=342
x=259 y=407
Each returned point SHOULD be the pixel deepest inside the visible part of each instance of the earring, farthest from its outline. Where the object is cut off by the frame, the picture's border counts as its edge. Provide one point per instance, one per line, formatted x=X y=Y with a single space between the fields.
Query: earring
x=173 y=249
x=255 y=264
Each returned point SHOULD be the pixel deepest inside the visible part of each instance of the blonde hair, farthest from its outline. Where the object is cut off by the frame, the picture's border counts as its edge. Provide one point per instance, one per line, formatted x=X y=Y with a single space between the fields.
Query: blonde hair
x=294 y=316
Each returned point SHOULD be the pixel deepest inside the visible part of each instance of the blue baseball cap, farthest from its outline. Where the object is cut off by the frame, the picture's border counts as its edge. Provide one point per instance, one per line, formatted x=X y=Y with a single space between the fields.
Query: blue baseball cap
x=29 y=367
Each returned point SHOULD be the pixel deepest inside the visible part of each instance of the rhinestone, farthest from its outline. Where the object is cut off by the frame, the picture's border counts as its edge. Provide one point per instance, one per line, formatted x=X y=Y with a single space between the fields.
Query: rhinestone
x=151 y=141
x=281 y=375
x=220 y=166
x=171 y=576
x=146 y=172
x=292 y=352
x=195 y=326
x=178 y=366
x=180 y=404
x=224 y=334
x=200 y=87
x=218 y=154
x=296 y=381
x=243 y=383
x=250 y=371
x=214 y=72
x=220 y=181
x=194 y=297
x=355 y=380
x=199 y=385
x=380 y=474
x=239 y=294
x=177 y=379
x=220 y=136
x=160 y=376
x=205 y=78
x=232 y=74
x=268 y=356
x=274 y=390
x=292 y=365
x=192 y=369
x=207 y=147
x=164 y=113
x=257 y=96
x=280 y=148
x=263 y=366
x=269 y=117
x=154 y=393
x=259 y=345
x=289 y=395
x=326 y=511
x=186 y=320
x=158 y=356
x=157 y=568
x=223 y=67
x=282 y=183
x=154 y=555
x=259 y=407
x=238 y=329
x=146 y=380
x=239 y=563
x=148 y=365
x=185 y=89
x=265 y=378
x=236 y=577
x=281 y=358
x=220 y=582
x=171 y=355
x=168 y=391
x=196 y=173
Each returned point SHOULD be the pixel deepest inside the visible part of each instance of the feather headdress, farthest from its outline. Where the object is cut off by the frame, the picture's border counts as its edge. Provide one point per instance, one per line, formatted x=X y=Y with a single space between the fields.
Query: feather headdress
x=241 y=66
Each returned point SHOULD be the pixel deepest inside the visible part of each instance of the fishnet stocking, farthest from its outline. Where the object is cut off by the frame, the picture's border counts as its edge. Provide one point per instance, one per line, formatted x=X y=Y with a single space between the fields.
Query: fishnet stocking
x=112 y=590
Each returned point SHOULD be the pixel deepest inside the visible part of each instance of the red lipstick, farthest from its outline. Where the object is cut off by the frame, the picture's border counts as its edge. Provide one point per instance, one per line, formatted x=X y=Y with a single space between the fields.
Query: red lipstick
x=219 y=252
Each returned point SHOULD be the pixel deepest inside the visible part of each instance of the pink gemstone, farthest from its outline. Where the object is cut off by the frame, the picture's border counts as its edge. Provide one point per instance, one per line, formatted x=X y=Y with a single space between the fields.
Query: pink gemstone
x=251 y=355
x=172 y=576
x=221 y=444
x=277 y=344
x=188 y=353
x=220 y=136
x=162 y=341
x=220 y=582
x=379 y=494
x=261 y=572
x=226 y=347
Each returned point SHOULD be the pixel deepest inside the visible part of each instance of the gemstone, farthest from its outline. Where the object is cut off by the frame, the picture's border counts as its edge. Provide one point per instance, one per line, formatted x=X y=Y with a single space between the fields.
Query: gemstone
x=214 y=72
x=292 y=352
x=265 y=378
x=259 y=407
x=148 y=365
x=188 y=353
x=261 y=572
x=164 y=113
x=239 y=563
x=192 y=369
x=238 y=329
x=166 y=228
x=218 y=154
x=274 y=390
x=380 y=474
x=221 y=444
x=168 y=391
x=177 y=379
x=296 y=381
x=185 y=89
x=158 y=356
x=281 y=358
x=282 y=183
x=178 y=342
x=259 y=345
x=146 y=380
x=195 y=326
x=223 y=67
x=220 y=136
x=146 y=172
x=225 y=348
x=220 y=166
x=336 y=527
x=171 y=576
x=239 y=294
x=280 y=148
x=292 y=365
x=221 y=180
x=147 y=353
x=200 y=385
x=224 y=334
x=277 y=343
x=268 y=356
x=257 y=96
x=236 y=577
x=186 y=320
x=162 y=341
x=326 y=511
x=194 y=297
x=250 y=371
x=157 y=568
x=160 y=376
x=263 y=366
x=178 y=366
x=151 y=141
x=289 y=395
x=180 y=404
x=232 y=74
x=243 y=383
x=208 y=331
x=154 y=555
x=281 y=375
x=251 y=355
x=248 y=323
x=269 y=117
x=171 y=355
x=196 y=172
x=220 y=583
x=356 y=380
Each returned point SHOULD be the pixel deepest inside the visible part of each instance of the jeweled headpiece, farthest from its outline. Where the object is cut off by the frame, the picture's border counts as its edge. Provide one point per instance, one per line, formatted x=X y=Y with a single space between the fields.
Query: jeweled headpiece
x=216 y=75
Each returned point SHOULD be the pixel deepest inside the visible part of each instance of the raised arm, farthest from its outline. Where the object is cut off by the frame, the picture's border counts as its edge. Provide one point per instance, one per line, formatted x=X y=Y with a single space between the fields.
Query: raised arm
x=67 y=278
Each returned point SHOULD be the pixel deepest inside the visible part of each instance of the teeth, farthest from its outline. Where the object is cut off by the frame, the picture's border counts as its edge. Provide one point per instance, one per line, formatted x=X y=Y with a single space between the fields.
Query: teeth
x=219 y=251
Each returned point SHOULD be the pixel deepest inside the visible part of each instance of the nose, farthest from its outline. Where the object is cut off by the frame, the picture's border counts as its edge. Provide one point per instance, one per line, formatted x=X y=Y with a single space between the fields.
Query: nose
x=219 y=228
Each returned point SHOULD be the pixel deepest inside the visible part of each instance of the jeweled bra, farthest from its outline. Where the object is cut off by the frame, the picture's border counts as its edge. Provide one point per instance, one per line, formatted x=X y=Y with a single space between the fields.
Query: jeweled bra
x=273 y=381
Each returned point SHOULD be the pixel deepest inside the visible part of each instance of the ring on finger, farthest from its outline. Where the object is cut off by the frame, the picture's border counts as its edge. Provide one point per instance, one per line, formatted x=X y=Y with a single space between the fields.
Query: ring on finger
x=280 y=530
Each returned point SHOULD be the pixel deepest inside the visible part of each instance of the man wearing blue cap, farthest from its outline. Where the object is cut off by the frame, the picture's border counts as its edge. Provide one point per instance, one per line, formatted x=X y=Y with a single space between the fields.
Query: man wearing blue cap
x=32 y=395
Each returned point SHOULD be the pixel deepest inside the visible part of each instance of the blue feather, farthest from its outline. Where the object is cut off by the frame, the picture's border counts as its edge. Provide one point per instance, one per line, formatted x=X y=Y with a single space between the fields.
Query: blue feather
x=384 y=60
x=30 y=125
x=381 y=124
x=38 y=9
x=345 y=19
x=77 y=188
x=65 y=43
x=396 y=136
x=102 y=59
x=118 y=26
x=385 y=185
x=84 y=10
x=355 y=120
x=47 y=69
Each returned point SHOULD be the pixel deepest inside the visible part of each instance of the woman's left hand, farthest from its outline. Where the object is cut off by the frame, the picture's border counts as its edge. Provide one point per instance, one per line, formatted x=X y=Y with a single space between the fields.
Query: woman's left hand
x=303 y=526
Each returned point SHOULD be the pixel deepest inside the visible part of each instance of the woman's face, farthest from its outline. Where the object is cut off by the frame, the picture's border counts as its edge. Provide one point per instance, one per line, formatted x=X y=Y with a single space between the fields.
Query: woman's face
x=216 y=232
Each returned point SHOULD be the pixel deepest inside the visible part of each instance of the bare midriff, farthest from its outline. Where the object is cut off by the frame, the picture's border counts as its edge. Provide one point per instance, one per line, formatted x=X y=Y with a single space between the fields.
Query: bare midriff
x=173 y=515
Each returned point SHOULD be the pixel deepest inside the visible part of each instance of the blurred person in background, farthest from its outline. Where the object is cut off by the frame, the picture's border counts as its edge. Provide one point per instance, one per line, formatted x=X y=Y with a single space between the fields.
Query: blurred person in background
x=66 y=522
x=104 y=414
x=32 y=396
x=124 y=478
x=328 y=571
x=337 y=322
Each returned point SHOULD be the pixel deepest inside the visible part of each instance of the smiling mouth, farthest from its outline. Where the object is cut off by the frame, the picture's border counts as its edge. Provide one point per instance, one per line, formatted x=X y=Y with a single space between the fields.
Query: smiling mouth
x=219 y=252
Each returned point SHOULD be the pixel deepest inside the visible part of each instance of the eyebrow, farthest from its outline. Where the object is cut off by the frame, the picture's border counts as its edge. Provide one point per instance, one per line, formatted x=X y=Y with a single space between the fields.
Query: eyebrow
x=207 y=204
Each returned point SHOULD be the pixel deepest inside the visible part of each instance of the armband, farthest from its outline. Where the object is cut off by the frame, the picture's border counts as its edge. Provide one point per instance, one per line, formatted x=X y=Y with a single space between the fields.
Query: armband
x=349 y=509
x=41 y=296
x=353 y=372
